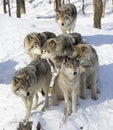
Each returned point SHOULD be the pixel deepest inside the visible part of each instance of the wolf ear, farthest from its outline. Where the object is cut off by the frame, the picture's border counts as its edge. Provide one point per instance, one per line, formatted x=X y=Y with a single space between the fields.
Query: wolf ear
x=15 y=80
x=57 y=11
x=67 y=11
x=52 y=44
x=29 y=37
x=66 y=59
x=84 y=49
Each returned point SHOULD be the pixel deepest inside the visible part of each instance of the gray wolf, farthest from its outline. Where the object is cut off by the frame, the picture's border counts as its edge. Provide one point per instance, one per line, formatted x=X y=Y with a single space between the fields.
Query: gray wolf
x=89 y=61
x=34 y=42
x=66 y=16
x=68 y=84
x=61 y=45
x=29 y=80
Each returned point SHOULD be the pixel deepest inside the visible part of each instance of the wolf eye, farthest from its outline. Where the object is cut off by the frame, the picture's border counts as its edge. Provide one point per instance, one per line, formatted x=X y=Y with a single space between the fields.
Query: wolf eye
x=22 y=87
x=16 y=80
x=71 y=66
x=36 y=46
x=44 y=50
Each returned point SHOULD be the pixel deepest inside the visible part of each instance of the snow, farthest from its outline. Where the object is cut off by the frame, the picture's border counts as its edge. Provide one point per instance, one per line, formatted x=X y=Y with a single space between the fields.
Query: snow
x=91 y=115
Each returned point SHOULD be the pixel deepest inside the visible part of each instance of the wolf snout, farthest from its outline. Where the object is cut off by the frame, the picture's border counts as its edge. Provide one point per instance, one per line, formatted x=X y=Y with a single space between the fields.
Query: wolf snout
x=75 y=73
x=62 y=24
x=28 y=93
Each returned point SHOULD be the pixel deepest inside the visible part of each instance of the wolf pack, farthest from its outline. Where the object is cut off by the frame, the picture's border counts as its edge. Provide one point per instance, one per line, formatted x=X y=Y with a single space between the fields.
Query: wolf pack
x=64 y=64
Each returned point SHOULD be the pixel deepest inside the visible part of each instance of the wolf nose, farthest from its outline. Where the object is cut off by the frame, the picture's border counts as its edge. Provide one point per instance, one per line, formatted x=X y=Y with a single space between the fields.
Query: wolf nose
x=62 y=24
x=28 y=93
x=75 y=73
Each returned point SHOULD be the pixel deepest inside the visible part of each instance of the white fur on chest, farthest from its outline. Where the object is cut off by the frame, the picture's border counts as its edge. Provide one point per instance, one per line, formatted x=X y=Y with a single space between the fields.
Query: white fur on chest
x=68 y=82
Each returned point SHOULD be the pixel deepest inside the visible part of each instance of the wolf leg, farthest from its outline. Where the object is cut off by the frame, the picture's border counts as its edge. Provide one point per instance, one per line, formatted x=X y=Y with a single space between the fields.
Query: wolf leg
x=35 y=102
x=67 y=111
x=74 y=100
x=46 y=105
x=28 y=108
x=93 y=88
x=25 y=101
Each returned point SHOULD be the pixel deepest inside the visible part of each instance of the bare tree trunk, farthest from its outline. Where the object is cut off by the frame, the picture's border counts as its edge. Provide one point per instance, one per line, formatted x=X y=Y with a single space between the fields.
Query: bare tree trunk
x=62 y=2
x=57 y=4
x=103 y=7
x=6 y=3
x=20 y=7
x=49 y=1
x=97 y=13
x=83 y=6
x=9 y=9
x=65 y=2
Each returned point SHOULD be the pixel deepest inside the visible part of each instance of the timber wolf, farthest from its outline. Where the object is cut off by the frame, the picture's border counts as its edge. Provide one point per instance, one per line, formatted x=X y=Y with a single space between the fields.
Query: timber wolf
x=89 y=61
x=66 y=16
x=61 y=45
x=27 y=82
x=34 y=42
x=68 y=84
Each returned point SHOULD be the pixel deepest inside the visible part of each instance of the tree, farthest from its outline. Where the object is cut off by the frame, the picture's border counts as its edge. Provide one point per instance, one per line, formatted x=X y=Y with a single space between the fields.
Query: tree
x=49 y=1
x=97 y=7
x=6 y=3
x=20 y=7
x=83 y=6
x=57 y=4
x=103 y=7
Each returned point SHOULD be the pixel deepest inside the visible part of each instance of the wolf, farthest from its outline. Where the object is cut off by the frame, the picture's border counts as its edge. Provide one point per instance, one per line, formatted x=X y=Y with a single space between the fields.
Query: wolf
x=34 y=42
x=88 y=58
x=66 y=16
x=61 y=45
x=29 y=80
x=68 y=83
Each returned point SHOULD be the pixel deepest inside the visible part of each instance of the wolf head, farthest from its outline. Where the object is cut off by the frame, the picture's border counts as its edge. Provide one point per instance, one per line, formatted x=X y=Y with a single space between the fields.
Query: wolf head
x=22 y=82
x=85 y=54
x=33 y=44
x=70 y=67
x=62 y=18
x=48 y=50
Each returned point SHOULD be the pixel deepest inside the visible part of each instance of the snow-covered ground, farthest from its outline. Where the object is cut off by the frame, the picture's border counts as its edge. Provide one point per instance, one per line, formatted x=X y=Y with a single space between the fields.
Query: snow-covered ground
x=91 y=115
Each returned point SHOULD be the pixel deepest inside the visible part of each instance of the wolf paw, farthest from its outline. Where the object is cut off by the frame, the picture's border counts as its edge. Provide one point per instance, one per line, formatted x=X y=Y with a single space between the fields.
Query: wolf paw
x=94 y=97
x=24 y=121
x=98 y=90
x=55 y=103
x=83 y=97
x=44 y=108
x=67 y=113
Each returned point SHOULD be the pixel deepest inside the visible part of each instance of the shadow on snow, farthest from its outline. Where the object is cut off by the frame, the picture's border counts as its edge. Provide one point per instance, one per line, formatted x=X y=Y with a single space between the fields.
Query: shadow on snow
x=7 y=69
